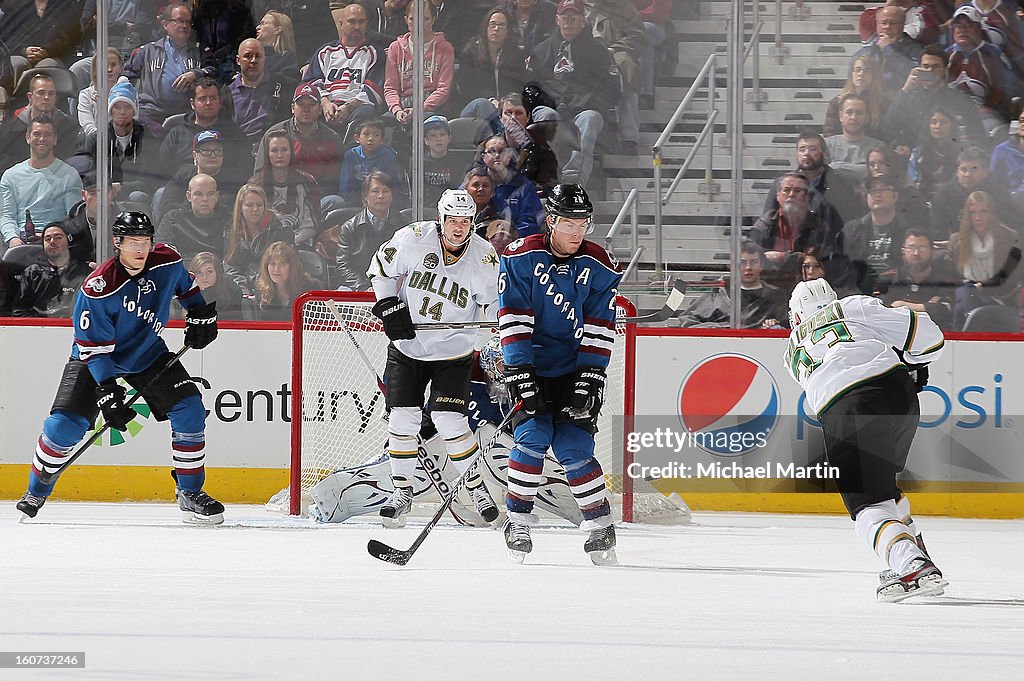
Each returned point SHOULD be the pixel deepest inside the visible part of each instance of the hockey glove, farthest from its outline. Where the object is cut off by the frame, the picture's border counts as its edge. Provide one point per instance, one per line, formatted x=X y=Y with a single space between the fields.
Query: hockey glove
x=588 y=390
x=521 y=382
x=200 y=325
x=394 y=314
x=110 y=400
x=920 y=376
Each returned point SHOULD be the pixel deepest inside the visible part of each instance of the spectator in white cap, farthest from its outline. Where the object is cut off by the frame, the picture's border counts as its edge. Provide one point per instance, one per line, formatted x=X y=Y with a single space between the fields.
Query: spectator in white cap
x=133 y=175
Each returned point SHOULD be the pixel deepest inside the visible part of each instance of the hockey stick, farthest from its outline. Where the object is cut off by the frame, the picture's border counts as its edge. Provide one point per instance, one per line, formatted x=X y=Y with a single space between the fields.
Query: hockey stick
x=47 y=477
x=384 y=391
x=668 y=310
x=479 y=324
x=382 y=551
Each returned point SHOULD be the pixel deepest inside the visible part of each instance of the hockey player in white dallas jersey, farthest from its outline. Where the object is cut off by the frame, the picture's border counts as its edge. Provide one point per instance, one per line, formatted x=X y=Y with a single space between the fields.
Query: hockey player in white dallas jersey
x=854 y=359
x=432 y=272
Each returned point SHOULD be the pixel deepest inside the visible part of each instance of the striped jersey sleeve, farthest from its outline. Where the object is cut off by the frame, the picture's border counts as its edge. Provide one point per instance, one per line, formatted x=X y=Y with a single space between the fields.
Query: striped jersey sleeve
x=515 y=313
x=599 y=321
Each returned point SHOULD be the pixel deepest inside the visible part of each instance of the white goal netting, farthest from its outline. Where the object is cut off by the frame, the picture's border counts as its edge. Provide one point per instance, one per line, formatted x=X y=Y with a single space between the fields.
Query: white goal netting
x=339 y=351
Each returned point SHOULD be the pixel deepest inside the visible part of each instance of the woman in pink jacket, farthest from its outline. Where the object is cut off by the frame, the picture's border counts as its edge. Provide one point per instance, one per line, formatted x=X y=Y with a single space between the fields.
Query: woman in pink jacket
x=438 y=68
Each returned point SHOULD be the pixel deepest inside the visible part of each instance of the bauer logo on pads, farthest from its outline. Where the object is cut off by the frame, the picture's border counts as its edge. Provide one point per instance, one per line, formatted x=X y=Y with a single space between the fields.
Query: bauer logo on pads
x=733 y=400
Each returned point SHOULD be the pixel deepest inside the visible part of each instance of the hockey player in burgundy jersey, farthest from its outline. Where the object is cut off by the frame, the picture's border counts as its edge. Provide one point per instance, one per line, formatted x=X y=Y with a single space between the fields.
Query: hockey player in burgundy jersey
x=556 y=293
x=119 y=313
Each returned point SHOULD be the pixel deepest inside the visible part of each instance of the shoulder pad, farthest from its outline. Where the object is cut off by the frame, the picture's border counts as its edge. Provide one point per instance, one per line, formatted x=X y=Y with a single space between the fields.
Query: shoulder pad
x=526 y=244
x=161 y=255
x=104 y=280
x=600 y=254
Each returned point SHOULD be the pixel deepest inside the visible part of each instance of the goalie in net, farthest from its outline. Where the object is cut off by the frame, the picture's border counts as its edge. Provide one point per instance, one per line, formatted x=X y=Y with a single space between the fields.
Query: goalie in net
x=364 y=488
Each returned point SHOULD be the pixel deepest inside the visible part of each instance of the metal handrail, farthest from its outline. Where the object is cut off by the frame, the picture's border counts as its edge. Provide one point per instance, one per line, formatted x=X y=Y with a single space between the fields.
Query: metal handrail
x=631 y=267
x=631 y=206
x=707 y=71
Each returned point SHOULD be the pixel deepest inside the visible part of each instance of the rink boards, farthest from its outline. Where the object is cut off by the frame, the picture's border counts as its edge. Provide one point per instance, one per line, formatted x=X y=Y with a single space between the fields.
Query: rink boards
x=709 y=389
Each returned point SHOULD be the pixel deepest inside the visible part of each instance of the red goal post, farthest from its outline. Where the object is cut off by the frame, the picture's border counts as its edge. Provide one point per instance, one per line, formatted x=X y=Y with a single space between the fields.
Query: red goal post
x=337 y=410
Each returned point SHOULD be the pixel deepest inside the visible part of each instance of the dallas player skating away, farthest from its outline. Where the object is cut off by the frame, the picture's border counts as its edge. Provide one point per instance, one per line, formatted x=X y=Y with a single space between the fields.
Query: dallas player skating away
x=854 y=359
x=556 y=293
x=432 y=272
x=119 y=313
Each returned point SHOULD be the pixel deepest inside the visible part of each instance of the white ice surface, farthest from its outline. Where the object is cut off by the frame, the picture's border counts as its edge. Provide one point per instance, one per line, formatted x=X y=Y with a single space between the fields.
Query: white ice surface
x=733 y=596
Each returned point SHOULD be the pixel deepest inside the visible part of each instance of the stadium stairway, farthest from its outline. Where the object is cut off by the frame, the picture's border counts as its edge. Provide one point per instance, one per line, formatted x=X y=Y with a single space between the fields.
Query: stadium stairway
x=819 y=41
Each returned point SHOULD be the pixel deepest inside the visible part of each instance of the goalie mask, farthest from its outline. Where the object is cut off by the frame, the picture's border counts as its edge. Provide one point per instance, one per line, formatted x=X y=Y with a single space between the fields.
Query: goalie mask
x=492 y=361
x=809 y=297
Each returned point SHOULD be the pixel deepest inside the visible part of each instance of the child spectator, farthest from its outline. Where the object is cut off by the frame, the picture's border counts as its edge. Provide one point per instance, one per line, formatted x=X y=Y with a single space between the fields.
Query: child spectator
x=216 y=287
x=369 y=154
x=280 y=281
x=254 y=226
x=442 y=169
x=438 y=68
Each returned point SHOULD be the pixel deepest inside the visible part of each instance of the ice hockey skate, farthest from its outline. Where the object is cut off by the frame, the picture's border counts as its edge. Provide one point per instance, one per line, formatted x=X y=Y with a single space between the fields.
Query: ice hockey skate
x=600 y=546
x=518 y=541
x=199 y=508
x=922 y=578
x=30 y=505
x=485 y=505
x=396 y=507
x=888 y=575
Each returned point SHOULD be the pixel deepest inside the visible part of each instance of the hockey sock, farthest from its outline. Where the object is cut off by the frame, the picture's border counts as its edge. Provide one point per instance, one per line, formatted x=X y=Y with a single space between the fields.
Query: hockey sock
x=903 y=508
x=587 y=484
x=525 y=475
x=462 y=457
x=880 y=527
x=61 y=432
x=189 y=457
x=402 y=450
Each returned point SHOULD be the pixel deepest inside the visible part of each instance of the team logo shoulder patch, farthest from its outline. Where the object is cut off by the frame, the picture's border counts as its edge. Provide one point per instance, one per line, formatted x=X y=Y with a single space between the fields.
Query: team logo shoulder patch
x=516 y=245
x=431 y=261
x=417 y=229
x=96 y=284
x=490 y=258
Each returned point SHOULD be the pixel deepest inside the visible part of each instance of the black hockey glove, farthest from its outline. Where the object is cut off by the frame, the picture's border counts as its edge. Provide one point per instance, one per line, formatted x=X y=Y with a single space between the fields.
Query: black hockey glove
x=110 y=400
x=588 y=391
x=200 y=325
x=920 y=375
x=394 y=314
x=521 y=382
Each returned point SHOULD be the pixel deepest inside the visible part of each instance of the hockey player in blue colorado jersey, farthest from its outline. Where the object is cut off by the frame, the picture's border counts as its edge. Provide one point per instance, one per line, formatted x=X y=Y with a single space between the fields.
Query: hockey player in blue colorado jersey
x=119 y=313
x=556 y=293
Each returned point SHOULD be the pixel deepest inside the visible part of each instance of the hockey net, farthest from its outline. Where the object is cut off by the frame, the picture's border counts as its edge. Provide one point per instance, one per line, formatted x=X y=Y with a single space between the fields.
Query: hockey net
x=338 y=351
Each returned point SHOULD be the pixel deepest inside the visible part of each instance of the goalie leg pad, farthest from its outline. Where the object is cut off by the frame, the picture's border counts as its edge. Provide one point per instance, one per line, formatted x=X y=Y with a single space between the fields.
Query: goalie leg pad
x=879 y=526
x=351 y=492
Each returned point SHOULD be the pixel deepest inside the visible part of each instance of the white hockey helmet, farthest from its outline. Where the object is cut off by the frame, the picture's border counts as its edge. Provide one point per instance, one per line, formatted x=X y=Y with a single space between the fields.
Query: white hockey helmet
x=809 y=297
x=456 y=203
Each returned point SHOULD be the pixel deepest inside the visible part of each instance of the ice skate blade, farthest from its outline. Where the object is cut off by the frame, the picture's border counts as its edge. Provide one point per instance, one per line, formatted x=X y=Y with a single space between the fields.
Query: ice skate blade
x=927 y=586
x=190 y=518
x=393 y=523
x=517 y=557
x=606 y=557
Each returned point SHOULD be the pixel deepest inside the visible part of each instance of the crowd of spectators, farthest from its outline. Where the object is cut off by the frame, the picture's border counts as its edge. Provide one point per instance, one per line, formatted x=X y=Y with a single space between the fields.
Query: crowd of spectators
x=911 y=187
x=269 y=140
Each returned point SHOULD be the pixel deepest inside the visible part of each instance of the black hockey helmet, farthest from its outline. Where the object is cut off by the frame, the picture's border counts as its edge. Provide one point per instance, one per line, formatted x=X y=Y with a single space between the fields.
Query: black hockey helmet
x=569 y=201
x=133 y=223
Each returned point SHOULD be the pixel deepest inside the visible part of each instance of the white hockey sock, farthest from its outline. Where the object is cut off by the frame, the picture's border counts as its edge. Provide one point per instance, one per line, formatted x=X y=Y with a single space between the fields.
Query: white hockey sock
x=402 y=450
x=903 y=508
x=459 y=442
x=881 y=528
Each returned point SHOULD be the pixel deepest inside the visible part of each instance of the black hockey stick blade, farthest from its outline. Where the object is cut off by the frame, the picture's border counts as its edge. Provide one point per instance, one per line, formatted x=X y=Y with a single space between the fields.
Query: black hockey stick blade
x=668 y=310
x=382 y=551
